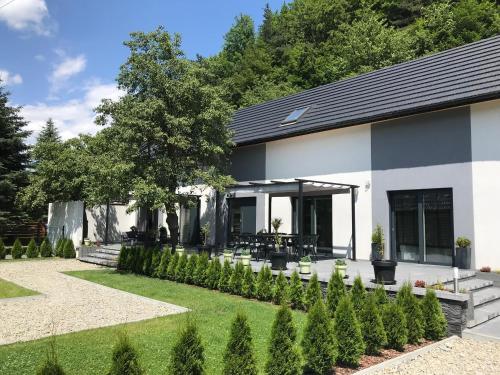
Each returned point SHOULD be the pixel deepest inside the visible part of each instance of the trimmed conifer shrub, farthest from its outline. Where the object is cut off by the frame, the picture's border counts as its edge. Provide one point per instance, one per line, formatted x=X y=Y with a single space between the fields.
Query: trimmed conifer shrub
x=191 y=268
x=281 y=290
x=372 y=326
x=17 y=249
x=51 y=365
x=413 y=314
x=225 y=276
x=162 y=269
x=239 y=358
x=125 y=359
x=283 y=354
x=264 y=286
x=318 y=345
x=236 y=280
x=180 y=270
x=187 y=356
x=296 y=291
x=3 y=251
x=358 y=295
x=60 y=246
x=213 y=274
x=348 y=333
x=155 y=262
x=46 y=248
x=122 y=259
x=69 y=249
x=335 y=291
x=172 y=266
x=395 y=326
x=147 y=259
x=435 y=323
x=248 y=287
x=313 y=292
x=380 y=296
x=200 y=274
x=32 y=249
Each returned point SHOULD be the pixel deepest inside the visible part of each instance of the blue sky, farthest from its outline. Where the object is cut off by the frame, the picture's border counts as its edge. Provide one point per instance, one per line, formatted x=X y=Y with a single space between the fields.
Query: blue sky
x=59 y=58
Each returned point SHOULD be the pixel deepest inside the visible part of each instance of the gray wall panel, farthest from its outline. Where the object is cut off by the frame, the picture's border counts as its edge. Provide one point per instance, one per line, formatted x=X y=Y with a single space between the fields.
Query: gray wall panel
x=442 y=137
x=249 y=163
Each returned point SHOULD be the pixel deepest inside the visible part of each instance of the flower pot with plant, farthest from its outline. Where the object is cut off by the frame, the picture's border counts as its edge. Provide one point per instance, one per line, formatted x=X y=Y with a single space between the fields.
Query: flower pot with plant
x=341 y=267
x=245 y=257
x=384 y=269
x=305 y=265
x=462 y=253
x=180 y=250
x=228 y=255
x=279 y=257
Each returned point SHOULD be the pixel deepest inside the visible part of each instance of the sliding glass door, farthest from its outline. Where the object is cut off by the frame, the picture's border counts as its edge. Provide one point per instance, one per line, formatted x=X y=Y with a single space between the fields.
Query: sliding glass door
x=422 y=226
x=242 y=216
x=317 y=219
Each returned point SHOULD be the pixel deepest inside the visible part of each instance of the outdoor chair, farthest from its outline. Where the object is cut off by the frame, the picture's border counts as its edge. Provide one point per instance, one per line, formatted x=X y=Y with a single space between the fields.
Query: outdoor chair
x=310 y=246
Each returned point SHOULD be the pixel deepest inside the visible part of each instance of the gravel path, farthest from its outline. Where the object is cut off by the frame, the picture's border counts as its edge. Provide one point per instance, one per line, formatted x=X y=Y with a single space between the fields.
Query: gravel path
x=457 y=357
x=67 y=304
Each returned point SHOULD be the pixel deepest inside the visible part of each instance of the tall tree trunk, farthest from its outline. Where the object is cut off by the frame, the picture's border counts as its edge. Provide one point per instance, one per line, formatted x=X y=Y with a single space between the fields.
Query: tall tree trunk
x=173 y=227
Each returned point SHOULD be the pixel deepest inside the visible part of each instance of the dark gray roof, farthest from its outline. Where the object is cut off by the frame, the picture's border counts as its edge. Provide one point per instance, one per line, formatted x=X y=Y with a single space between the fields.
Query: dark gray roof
x=459 y=76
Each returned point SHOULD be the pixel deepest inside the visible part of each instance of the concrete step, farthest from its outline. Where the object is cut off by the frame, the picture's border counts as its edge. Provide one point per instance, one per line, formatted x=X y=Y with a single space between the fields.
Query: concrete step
x=99 y=261
x=485 y=296
x=473 y=284
x=107 y=251
x=103 y=256
x=484 y=313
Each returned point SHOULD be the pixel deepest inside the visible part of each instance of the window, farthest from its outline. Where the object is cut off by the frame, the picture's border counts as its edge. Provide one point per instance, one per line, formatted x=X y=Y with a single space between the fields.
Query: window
x=294 y=116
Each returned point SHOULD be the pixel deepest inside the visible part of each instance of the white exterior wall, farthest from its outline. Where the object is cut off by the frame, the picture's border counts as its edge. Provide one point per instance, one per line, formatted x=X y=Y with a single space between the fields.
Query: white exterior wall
x=69 y=215
x=485 y=129
x=119 y=221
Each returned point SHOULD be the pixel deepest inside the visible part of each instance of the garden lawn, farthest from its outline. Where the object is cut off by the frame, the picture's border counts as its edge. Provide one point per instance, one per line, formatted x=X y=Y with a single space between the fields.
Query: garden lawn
x=9 y=290
x=89 y=352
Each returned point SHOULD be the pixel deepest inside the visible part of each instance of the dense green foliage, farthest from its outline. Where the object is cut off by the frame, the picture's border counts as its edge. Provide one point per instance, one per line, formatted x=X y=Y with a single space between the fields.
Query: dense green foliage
x=313 y=292
x=3 y=251
x=200 y=273
x=395 y=326
x=187 y=357
x=180 y=269
x=248 y=287
x=318 y=345
x=32 y=249
x=239 y=358
x=281 y=290
x=17 y=249
x=46 y=248
x=51 y=365
x=236 y=280
x=191 y=268
x=358 y=295
x=380 y=296
x=335 y=291
x=225 y=277
x=296 y=291
x=172 y=266
x=69 y=249
x=283 y=354
x=372 y=326
x=435 y=324
x=60 y=246
x=213 y=274
x=413 y=314
x=264 y=288
x=125 y=360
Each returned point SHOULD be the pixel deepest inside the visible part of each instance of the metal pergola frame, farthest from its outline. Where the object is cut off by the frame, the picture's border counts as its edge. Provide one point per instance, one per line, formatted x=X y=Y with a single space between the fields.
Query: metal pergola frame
x=317 y=186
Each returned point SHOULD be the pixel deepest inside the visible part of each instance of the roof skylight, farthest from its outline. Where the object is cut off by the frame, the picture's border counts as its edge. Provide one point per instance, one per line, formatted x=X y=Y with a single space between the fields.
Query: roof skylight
x=294 y=116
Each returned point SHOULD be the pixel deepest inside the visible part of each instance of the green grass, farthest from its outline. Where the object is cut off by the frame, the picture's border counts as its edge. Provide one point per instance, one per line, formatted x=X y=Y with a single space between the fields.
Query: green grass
x=89 y=352
x=9 y=290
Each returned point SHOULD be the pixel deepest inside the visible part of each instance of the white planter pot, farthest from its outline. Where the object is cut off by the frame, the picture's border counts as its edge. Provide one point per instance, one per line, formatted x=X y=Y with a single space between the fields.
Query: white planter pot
x=341 y=270
x=180 y=251
x=86 y=242
x=305 y=267
x=228 y=257
x=245 y=259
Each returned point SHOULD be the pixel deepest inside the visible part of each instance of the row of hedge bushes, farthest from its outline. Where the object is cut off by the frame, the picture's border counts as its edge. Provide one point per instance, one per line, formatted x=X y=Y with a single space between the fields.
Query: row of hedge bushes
x=64 y=249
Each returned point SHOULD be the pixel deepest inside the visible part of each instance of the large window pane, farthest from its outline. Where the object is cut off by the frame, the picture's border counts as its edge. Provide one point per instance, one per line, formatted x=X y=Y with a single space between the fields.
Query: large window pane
x=438 y=224
x=405 y=206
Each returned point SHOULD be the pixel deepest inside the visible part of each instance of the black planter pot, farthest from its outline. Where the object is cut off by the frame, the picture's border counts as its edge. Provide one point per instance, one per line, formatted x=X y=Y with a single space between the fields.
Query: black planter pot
x=278 y=260
x=462 y=257
x=376 y=252
x=205 y=249
x=385 y=271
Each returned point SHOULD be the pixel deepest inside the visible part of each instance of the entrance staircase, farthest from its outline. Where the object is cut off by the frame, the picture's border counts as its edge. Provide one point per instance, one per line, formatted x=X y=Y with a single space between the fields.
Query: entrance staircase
x=104 y=255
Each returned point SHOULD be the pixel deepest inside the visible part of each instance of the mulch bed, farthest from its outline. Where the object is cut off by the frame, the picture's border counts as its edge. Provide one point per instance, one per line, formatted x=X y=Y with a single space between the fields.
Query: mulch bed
x=385 y=354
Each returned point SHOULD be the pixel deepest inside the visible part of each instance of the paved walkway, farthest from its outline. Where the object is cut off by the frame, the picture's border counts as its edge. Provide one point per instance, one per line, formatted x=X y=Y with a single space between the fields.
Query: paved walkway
x=67 y=304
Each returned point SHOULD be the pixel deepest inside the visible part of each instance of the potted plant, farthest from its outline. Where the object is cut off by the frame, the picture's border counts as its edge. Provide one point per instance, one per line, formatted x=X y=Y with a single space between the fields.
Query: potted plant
x=245 y=257
x=180 y=250
x=205 y=235
x=278 y=257
x=87 y=242
x=228 y=255
x=341 y=267
x=462 y=253
x=305 y=265
x=384 y=269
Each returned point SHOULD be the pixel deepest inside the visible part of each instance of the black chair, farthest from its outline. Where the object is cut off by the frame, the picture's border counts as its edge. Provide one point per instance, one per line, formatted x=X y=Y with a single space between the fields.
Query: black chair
x=309 y=246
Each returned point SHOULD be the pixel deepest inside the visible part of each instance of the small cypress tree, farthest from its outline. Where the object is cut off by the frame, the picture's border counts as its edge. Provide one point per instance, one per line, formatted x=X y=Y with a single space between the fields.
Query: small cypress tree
x=348 y=333
x=147 y=260
x=264 y=287
x=17 y=249
x=172 y=266
x=372 y=326
x=381 y=298
x=236 y=280
x=187 y=356
x=435 y=324
x=395 y=326
x=313 y=291
x=60 y=246
x=239 y=358
x=296 y=291
x=129 y=262
x=122 y=259
x=3 y=251
x=281 y=290
x=125 y=360
x=69 y=249
x=283 y=355
x=318 y=345
x=335 y=291
x=214 y=274
x=200 y=275
x=51 y=365
x=32 y=250
x=162 y=270
x=413 y=314
x=358 y=295
x=225 y=276
x=248 y=287
x=155 y=262
x=46 y=248
x=191 y=268
x=180 y=270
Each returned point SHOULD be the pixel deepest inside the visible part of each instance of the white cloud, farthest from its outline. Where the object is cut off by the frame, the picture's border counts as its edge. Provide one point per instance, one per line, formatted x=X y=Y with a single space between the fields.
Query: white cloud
x=67 y=68
x=74 y=116
x=39 y=57
x=8 y=78
x=27 y=15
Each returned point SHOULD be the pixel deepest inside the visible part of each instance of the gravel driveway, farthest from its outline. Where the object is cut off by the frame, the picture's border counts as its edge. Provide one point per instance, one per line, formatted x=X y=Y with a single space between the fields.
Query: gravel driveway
x=457 y=357
x=67 y=304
